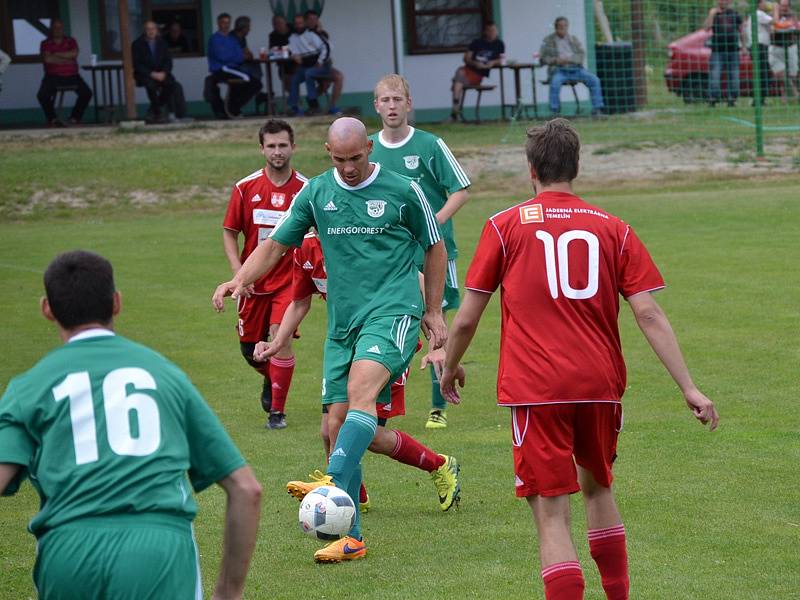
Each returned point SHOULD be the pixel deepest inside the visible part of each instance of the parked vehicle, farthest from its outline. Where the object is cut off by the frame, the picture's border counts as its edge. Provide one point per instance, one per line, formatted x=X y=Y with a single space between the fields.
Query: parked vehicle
x=686 y=73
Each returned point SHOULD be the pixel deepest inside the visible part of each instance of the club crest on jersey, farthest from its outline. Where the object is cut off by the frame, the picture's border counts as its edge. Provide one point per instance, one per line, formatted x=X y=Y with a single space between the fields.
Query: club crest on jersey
x=278 y=199
x=412 y=162
x=375 y=208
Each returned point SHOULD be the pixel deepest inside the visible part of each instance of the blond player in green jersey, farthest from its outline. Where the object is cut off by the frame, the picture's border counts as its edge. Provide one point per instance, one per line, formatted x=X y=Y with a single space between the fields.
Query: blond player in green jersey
x=112 y=435
x=427 y=160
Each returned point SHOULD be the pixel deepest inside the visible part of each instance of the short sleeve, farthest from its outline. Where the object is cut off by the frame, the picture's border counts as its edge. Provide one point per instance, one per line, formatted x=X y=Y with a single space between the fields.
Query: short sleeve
x=295 y=222
x=212 y=453
x=637 y=272
x=502 y=47
x=447 y=170
x=420 y=218
x=302 y=284
x=233 y=216
x=16 y=445
x=474 y=46
x=486 y=270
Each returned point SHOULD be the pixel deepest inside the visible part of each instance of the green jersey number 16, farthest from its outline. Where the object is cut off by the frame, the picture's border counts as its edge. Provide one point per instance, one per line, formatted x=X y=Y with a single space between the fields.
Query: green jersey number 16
x=117 y=404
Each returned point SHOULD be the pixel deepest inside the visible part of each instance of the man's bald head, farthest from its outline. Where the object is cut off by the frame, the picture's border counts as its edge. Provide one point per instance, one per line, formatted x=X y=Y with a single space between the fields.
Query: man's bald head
x=349 y=149
x=346 y=130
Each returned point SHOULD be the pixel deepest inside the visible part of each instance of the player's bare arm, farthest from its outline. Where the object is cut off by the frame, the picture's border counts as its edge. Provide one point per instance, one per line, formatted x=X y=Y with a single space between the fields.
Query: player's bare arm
x=261 y=261
x=454 y=203
x=462 y=330
x=433 y=324
x=241 y=528
x=656 y=328
x=292 y=318
x=230 y=243
x=7 y=472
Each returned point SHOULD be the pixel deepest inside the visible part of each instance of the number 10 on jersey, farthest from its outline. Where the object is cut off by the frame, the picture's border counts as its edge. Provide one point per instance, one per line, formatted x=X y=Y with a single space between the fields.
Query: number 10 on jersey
x=558 y=252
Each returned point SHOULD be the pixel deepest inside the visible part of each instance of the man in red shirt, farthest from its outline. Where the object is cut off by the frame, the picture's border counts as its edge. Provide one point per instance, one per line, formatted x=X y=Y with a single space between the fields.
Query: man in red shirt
x=561 y=265
x=257 y=203
x=60 y=58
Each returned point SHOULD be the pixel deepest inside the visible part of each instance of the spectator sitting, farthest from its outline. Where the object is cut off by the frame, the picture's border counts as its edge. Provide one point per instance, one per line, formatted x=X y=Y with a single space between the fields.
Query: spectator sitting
x=176 y=41
x=225 y=59
x=563 y=54
x=278 y=40
x=482 y=55
x=60 y=58
x=312 y=23
x=5 y=60
x=241 y=28
x=152 y=70
x=310 y=53
x=784 y=19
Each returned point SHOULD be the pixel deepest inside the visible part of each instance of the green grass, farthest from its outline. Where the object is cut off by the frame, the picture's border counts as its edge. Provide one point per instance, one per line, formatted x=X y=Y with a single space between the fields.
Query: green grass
x=709 y=515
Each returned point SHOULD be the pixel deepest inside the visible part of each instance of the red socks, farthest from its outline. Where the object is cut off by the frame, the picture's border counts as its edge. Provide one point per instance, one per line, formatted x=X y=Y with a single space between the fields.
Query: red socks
x=607 y=547
x=563 y=581
x=410 y=452
x=280 y=373
x=362 y=494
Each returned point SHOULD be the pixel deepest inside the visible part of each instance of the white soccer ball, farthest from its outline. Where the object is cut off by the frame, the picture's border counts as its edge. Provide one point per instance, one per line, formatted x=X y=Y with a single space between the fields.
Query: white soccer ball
x=327 y=513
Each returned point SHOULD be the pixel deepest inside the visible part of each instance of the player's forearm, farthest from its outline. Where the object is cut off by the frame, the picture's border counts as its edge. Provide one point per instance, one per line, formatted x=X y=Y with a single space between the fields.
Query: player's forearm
x=454 y=203
x=230 y=243
x=656 y=328
x=260 y=262
x=434 y=273
x=241 y=528
x=458 y=340
x=7 y=472
x=292 y=318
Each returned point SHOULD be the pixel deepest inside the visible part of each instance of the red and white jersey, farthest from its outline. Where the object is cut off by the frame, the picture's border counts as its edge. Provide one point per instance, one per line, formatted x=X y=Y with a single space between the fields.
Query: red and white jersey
x=561 y=265
x=255 y=207
x=308 y=274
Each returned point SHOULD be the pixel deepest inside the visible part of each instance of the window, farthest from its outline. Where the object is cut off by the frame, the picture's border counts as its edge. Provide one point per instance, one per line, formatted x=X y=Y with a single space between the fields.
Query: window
x=436 y=26
x=184 y=39
x=24 y=24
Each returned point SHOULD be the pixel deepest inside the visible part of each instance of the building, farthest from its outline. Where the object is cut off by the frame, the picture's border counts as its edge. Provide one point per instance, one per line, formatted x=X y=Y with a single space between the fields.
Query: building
x=370 y=38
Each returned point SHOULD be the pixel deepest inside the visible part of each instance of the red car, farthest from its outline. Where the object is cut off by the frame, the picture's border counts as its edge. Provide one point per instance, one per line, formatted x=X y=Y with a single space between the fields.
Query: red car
x=686 y=73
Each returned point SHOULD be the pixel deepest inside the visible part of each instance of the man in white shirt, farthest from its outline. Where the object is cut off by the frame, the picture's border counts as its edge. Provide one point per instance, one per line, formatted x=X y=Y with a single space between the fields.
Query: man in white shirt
x=312 y=55
x=760 y=50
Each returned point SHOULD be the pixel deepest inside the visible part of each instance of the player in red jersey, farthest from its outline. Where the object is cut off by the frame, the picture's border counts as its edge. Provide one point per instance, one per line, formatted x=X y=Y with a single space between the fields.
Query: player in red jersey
x=309 y=278
x=257 y=203
x=561 y=265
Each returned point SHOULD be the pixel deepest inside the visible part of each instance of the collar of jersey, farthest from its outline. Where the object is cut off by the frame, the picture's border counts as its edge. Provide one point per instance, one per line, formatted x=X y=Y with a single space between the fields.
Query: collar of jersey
x=90 y=333
x=361 y=185
x=399 y=144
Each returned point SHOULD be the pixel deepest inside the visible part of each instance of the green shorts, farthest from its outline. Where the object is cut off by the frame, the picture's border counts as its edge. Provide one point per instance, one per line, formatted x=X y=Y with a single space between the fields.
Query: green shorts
x=130 y=557
x=451 y=299
x=390 y=341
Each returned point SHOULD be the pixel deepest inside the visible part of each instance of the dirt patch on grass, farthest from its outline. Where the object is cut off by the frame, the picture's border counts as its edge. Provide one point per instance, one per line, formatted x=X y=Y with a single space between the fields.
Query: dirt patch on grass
x=640 y=162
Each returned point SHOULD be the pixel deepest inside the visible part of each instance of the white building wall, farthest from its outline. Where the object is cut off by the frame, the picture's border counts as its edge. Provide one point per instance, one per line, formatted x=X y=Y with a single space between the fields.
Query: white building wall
x=362 y=40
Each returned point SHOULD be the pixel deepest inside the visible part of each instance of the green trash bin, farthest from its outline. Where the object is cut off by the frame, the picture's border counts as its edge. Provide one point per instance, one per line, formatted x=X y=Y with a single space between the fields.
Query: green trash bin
x=614 y=62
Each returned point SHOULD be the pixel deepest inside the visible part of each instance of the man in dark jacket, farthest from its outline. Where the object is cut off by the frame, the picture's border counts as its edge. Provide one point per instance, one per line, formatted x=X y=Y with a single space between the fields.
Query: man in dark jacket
x=152 y=70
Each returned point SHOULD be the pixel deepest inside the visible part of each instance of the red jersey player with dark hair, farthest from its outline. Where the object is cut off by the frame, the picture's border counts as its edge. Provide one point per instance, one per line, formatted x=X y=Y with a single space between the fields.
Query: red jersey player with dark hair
x=257 y=203
x=561 y=265
x=309 y=278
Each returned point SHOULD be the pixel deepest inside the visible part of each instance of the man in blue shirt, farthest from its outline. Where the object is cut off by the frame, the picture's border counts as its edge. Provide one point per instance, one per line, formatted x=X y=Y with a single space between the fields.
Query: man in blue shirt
x=225 y=59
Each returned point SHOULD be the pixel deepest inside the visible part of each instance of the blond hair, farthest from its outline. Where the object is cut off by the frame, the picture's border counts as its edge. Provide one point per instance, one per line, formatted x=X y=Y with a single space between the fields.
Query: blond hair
x=395 y=82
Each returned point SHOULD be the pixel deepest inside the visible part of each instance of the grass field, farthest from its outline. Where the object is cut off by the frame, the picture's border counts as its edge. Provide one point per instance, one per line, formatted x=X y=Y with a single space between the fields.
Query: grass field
x=709 y=515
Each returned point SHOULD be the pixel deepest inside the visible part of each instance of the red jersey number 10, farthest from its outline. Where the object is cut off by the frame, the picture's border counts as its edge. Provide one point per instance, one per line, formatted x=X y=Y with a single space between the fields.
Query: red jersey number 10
x=558 y=251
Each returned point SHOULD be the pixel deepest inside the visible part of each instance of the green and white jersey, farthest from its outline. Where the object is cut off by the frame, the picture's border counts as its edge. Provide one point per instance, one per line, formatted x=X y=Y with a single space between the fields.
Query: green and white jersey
x=104 y=426
x=427 y=160
x=369 y=234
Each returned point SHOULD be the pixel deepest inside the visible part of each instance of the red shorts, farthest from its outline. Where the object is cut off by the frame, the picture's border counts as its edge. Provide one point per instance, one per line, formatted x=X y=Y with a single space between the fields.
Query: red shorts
x=549 y=439
x=397 y=405
x=259 y=311
x=468 y=76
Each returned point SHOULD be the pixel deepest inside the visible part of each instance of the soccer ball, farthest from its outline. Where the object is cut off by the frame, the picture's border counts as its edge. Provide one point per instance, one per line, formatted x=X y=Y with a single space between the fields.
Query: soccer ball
x=327 y=513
